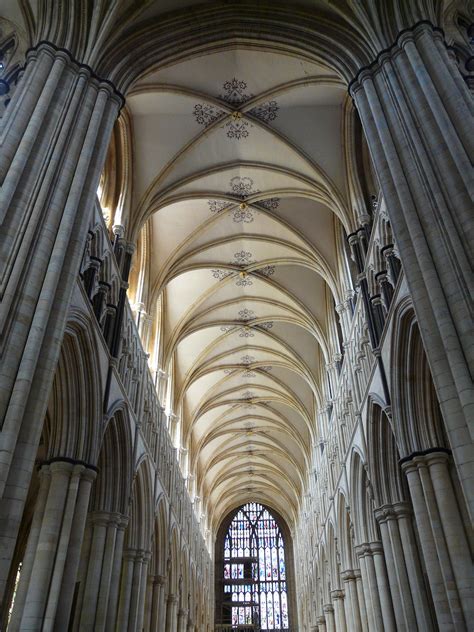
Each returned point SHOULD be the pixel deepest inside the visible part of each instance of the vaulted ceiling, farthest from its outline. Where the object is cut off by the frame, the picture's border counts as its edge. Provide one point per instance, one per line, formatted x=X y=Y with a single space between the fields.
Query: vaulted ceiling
x=238 y=169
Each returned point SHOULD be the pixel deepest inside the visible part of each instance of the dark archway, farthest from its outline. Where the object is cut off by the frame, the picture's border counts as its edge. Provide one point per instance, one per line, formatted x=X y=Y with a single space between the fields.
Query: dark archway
x=254 y=570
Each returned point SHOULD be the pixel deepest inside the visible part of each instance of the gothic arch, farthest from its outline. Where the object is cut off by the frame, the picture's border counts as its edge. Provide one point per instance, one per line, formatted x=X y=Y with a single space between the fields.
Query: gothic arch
x=141 y=509
x=383 y=458
x=111 y=491
x=160 y=539
x=174 y=564
x=365 y=528
x=184 y=580
x=418 y=422
x=73 y=417
x=345 y=40
x=332 y=552
x=345 y=533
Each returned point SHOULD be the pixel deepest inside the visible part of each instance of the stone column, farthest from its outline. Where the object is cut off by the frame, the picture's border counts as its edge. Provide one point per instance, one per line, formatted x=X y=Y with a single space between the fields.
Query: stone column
x=53 y=556
x=99 y=521
x=375 y=584
x=140 y=609
x=112 y=607
x=92 y=608
x=148 y=601
x=29 y=557
x=133 y=590
x=442 y=537
x=125 y=589
x=328 y=610
x=351 y=601
x=62 y=547
x=407 y=588
x=162 y=606
x=321 y=621
x=383 y=587
x=361 y=600
x=416 y=112
x=112 y=551
x=136 y=589
x=55 y=132
x=182 y=620
x=157 y=602
x=171 y=613
x=337 y=597
x=66 y=593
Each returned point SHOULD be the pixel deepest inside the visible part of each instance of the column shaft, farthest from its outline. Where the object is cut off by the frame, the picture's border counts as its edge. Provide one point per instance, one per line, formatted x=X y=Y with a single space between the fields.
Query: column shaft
x=94 y=569
x=29 y=557
x=351 y=601
x=182 y=620
x=337 y=597
x=321 y=621
x=400 y=588
x=125 y=590
x=55 y=133
x=112 y=608
x=383 y=589
x=361 y=601
x=440 y=561
x=136 y=589
x=171 y=613
x=157 y=605
x=150 y=589
x=453 y=530
x=106 y=574
x=424 y=618
x=162 y=608
x=142 y=594
x=328 y=610
x=414 y=108
x=63 y=586
x=45 y=555
x=63 y=613
x=364 y=586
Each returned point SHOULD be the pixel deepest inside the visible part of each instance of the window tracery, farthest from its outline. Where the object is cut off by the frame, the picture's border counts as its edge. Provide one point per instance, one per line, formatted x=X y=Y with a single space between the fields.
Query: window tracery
x=254 y=571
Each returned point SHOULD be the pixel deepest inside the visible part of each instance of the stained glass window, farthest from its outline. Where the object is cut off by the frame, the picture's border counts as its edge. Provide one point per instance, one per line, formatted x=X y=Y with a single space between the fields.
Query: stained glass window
x=255 y=591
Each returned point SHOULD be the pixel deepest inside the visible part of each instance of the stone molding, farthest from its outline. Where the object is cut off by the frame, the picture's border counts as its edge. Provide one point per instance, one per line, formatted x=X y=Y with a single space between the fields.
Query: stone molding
x=70 y=60
x=70 y=460
x=392 y=512
x=350 y=575
x=337 y=594
x=368 y=549
x=425 y=456
x=408 y=34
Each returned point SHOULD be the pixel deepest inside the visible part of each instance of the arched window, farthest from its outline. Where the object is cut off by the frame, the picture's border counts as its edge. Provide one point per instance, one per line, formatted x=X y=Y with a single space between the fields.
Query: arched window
x=254 y=572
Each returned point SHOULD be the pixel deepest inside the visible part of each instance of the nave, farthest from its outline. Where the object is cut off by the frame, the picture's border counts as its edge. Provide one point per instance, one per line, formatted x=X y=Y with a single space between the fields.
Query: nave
x=236 y=330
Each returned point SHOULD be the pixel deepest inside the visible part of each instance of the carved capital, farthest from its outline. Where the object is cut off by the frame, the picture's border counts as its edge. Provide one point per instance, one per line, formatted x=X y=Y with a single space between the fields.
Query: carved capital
x=337 y=594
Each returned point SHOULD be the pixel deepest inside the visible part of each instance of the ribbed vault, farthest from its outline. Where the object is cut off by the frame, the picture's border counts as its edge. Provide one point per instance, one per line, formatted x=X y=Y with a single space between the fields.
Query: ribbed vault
x=239 y=199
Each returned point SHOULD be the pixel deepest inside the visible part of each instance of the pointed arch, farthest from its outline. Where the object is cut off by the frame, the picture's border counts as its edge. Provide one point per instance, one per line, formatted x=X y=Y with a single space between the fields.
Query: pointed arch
x=419 y=424
x=74 y=414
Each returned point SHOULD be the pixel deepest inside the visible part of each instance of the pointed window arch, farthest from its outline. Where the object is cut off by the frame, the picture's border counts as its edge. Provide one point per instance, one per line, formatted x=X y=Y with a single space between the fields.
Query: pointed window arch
x=254 y=571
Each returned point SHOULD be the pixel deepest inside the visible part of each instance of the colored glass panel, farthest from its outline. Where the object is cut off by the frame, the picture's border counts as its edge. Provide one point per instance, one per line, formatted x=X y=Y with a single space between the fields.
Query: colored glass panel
x=254 y=552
